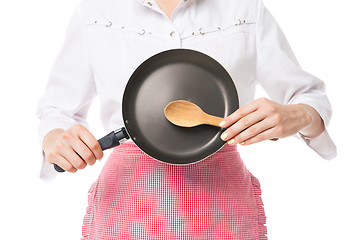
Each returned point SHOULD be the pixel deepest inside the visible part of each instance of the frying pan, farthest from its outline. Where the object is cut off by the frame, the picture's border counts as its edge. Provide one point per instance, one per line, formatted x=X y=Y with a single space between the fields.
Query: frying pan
x=178 y=74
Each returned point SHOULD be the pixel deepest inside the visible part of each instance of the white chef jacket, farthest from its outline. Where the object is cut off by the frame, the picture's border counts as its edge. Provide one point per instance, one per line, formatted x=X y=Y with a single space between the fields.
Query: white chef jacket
x=108 y=39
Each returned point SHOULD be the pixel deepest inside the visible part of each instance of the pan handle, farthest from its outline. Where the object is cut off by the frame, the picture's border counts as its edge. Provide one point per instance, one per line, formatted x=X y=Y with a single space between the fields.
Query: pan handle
x=111 y=140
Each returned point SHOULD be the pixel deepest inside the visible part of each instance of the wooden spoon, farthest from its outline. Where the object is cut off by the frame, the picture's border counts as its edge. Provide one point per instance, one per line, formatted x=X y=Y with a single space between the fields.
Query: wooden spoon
x=187 y=114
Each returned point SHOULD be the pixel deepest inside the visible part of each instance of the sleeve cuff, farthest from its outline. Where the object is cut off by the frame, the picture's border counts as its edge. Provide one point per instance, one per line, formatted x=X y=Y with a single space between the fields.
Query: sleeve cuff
x=322 y=145
x=47 y=172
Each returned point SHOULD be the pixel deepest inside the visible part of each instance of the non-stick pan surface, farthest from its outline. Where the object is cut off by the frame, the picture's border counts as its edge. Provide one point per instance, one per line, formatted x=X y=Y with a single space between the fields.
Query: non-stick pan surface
x=174 y=75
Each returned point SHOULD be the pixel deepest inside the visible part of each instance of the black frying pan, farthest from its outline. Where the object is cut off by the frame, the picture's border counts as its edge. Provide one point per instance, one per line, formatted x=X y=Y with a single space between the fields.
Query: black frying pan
x=166 y=77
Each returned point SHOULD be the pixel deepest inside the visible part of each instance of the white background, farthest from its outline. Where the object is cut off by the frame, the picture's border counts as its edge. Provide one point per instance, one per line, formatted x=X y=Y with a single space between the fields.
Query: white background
x=305 y=196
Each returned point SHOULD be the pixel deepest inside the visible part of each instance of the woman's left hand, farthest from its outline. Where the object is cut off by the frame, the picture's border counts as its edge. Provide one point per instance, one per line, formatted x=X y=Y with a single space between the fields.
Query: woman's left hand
x=264 y=119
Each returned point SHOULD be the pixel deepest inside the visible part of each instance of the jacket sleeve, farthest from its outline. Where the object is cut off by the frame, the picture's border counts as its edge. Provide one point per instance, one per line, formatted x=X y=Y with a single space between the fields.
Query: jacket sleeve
x=281 y=76
x=70 y=88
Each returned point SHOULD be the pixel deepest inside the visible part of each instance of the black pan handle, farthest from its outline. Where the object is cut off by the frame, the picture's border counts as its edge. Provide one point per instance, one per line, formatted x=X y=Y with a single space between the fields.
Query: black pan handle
x=111 y=140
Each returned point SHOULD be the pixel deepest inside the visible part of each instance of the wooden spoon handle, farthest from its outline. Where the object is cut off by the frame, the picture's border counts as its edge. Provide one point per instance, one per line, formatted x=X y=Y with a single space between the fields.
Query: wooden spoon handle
x=211 y=120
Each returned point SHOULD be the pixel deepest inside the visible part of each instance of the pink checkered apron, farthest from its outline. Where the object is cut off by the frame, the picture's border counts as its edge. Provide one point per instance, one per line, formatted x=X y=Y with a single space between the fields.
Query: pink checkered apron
x=137 y=197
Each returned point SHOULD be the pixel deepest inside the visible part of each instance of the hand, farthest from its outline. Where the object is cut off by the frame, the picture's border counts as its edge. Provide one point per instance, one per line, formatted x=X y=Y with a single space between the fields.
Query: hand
x=264 y=119
x=72 y=149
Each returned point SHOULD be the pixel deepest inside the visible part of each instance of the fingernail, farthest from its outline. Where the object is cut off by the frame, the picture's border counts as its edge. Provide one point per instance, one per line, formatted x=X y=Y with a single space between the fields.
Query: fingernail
x=222 y=123
x=231 y=141
x=224 y=136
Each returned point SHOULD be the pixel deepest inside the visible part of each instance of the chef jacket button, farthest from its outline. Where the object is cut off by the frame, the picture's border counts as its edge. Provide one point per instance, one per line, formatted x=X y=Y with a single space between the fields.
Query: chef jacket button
x=201 y=31
x=142 y=32
x=149 y=3
x=172 y=33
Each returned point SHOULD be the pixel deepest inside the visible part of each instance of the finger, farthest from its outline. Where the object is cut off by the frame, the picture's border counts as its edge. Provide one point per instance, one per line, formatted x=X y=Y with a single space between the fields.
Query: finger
x=71 y=156
x=84 y=152
x=238 y=114
x=265 y=135
x=90 y=141
x=253 y=130
x=242 y=125
x=64 y=164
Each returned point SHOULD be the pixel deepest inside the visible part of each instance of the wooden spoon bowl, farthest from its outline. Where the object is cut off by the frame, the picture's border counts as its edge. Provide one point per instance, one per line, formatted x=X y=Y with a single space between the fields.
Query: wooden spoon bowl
x=187 y=114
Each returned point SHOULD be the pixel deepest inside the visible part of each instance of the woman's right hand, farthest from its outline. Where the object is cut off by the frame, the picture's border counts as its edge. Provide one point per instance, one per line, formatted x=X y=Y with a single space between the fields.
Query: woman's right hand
x=72 y=149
